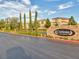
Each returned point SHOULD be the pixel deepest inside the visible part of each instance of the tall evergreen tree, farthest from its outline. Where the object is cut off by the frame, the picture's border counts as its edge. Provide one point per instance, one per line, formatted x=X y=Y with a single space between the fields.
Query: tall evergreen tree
x=48 y=23
x=20 y=22
x=72 y=21
x=7 y=24
x=35 y=22
x=30 y=21
x=25 y=22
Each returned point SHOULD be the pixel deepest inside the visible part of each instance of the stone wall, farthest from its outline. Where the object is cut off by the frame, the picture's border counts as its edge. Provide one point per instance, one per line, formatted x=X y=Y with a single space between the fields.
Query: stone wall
x=50 y=32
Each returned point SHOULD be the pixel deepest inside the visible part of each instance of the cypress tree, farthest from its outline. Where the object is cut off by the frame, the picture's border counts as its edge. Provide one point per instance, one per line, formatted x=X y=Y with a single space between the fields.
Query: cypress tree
x=7 y=24
x=24 y=21
x=20 y=22
x=36 y=23
x=30 y=21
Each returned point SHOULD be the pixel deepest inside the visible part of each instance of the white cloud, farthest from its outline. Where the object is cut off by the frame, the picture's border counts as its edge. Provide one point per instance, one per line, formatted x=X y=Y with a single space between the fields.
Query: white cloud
x=14 y=7
x=51 y=12
x=39 y=11
x=15 y=4
x=66 y=5
x=19 y=6
x=11 y=5
x=34 y=7
x=48 y=12
x=45 y=11
x=27 y=2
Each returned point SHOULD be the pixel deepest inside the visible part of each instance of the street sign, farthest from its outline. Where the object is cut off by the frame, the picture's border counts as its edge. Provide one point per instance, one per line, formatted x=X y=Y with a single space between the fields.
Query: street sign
x=64 y=32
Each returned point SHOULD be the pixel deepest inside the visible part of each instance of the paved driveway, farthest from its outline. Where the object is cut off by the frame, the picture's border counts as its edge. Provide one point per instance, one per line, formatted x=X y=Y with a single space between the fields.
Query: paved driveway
x=25 y=47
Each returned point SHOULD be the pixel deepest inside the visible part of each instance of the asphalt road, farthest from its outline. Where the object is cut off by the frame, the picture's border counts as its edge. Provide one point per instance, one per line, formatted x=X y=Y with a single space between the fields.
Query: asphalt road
x=25 y=47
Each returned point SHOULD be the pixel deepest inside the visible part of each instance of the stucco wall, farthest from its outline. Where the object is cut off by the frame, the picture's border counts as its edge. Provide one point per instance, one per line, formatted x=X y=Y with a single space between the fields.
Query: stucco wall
x=50 y=32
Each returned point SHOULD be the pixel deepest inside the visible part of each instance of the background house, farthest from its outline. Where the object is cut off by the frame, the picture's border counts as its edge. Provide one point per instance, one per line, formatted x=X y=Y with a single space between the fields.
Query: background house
x=41 y=24
x=60 y=21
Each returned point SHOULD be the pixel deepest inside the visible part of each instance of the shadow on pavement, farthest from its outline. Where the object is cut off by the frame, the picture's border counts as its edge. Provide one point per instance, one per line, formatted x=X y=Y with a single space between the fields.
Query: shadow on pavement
x=17 y=53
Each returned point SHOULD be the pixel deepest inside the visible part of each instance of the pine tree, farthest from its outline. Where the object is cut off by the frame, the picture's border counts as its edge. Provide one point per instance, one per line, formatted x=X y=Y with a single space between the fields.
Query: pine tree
x=25 y=22
x=72 y=21
x=48 y=23
x=20 y=22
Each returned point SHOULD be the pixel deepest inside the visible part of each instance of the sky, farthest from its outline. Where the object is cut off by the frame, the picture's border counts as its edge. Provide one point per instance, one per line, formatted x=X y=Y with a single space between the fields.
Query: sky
x=46 y=8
